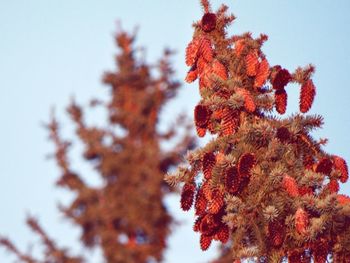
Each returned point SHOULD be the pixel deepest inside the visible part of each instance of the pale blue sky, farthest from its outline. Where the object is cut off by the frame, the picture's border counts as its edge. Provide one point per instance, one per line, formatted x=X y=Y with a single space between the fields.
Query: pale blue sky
x=50 y=50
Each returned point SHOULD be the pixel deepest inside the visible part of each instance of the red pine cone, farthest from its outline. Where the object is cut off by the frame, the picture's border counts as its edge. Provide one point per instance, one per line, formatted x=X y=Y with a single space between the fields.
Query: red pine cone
x=208 y=22
x=230 y=121
x=262 y=74
x=301 y=220
x=192 y=51
x=219 y=70
x=209 y=71
x=333 y=186
x=201 y=116
x=281 y=79
x=187 y=196
x=217 y=201
x=252 y=62
x=202 y=66
x=342 y=167
x=290 y=185
x=197 y=224
x=281 y=101
x=307 y=95
x=283 y=134
x=191 y=75
x=249 y=103
x=207 y=191
x=223 y=234
x=206 y=50
x=205 y=241
x=200 y=204
x=245 y=164
x=343 y=199
x=208 y=225
x=324 y=166
x=208 y=163
x=232 y=180
x=276 y=233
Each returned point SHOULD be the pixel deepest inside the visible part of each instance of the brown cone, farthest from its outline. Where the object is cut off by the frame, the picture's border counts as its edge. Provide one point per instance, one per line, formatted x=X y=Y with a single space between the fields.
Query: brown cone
x=276 y=233
x=281 y=79
x=333 y=186
x=200 y=204
x=219 y=70
x=262 y=74
x=342 y=167
x=208 y=163
x=232 y=180
x=208 y=22
x=283 y=134
x=197 y=224
x=324 y=166
x=249 y=103
x=205 y=241
x=230 y=121
x=290 y=185
x=206 y=50
x=187 y=196
x=307 y=95
x=201 y=115
x=252 y=63
x=301 y=220
x=191 y=75
x=281 y=101
x=223 y=234
x=192 y=51
x=216 y=202
x=245 y=164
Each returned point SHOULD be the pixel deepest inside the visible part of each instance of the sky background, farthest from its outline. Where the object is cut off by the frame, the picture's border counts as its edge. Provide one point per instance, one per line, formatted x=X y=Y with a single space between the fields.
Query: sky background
x=51 y=50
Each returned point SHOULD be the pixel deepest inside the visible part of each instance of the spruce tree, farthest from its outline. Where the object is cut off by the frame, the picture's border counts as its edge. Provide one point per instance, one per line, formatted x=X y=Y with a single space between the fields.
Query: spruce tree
x=125 y=217
x=263 y=186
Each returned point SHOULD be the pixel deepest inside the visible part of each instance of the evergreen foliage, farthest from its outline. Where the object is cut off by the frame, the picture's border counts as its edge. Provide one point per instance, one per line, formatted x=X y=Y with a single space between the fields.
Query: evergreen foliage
x=263 y=186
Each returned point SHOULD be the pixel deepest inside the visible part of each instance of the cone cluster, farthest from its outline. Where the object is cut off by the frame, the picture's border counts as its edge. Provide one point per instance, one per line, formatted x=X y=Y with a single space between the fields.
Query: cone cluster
x=264 y=187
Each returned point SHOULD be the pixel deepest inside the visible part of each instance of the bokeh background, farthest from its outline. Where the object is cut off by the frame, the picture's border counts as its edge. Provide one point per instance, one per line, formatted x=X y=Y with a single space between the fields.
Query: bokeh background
x=52 y=50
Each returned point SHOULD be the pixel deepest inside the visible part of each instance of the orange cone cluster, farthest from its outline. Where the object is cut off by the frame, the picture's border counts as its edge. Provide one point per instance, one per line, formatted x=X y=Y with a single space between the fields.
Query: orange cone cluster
x=209 y=202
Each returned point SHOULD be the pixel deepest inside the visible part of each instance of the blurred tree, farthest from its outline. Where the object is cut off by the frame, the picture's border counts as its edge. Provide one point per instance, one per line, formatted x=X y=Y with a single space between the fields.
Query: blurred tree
x=262 y=186
x=125 y=216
